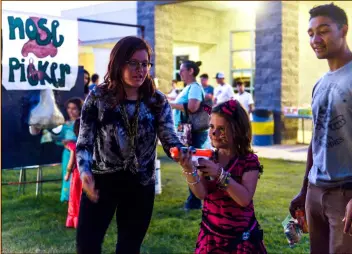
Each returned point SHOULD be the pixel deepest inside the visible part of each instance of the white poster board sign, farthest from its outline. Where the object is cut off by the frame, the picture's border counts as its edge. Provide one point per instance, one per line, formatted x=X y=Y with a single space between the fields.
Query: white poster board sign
x=39 y=52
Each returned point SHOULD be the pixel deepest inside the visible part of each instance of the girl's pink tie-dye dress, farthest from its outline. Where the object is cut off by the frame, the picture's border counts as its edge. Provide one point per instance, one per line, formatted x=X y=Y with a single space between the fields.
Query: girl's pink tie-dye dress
x=227 y=227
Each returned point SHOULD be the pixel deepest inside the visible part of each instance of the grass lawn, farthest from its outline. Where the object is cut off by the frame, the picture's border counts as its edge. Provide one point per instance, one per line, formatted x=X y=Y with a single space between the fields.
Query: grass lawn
x=36 y=225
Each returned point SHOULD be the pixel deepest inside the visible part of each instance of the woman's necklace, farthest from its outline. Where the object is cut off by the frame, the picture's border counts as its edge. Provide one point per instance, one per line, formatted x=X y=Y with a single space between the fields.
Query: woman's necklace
x=132 y=128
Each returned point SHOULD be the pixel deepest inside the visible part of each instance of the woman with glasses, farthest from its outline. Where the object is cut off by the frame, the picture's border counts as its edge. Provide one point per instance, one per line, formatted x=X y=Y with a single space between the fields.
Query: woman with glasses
x=121 y=120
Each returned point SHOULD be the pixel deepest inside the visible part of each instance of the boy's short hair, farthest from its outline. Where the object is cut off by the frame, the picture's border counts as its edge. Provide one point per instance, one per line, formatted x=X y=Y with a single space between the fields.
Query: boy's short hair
x=95 y=77
x=204 y=75
x=332 y=11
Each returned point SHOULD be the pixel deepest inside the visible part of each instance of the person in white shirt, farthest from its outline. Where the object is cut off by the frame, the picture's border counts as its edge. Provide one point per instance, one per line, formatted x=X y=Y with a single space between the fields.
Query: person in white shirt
x=171 y=96
x=245 y=98
x=223 y=92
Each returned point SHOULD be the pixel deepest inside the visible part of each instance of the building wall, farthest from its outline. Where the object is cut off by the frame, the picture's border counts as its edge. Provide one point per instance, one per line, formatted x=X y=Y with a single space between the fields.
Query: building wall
x=207 y=31
x=95 y=57
x=86 y=59
x=102 y=57
x=163 y=46
x=177 y=26
x=268 y=48
x=286 y=67
x=277 y=64
x=231 y=20
x=121 y=12
x=290 y=68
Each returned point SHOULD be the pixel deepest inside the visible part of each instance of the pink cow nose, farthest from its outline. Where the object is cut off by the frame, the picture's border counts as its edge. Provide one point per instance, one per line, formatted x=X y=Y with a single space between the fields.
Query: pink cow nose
x=39 y=51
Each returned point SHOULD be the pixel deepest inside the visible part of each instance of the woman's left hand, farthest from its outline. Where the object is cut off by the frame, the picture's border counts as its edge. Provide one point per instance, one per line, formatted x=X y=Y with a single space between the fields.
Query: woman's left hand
x=208 y=167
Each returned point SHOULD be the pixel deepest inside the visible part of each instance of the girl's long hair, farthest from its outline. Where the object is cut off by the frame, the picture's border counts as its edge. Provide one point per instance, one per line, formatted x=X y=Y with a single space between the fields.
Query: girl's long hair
x=240 y=127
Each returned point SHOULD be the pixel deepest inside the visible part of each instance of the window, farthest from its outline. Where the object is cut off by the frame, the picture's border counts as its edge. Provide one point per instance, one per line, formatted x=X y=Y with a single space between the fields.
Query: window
x=177 y=65
x=242 y=58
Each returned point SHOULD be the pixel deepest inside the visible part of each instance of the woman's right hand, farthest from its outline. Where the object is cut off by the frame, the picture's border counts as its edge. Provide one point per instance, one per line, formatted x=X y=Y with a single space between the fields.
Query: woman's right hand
x=88 y=186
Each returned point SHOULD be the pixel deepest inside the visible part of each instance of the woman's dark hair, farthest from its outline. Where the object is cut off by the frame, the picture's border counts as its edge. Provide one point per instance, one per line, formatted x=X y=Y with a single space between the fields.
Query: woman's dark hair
x=120 y=54
x=335 y=13
x=240 y=126
x=193 y=65
x=86 y=89
x=86 y=72
x=76 y=126
x=77 y=101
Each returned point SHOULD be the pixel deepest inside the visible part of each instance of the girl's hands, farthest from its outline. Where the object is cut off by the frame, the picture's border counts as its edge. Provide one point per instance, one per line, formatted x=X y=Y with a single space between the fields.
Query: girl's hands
x=208 y=168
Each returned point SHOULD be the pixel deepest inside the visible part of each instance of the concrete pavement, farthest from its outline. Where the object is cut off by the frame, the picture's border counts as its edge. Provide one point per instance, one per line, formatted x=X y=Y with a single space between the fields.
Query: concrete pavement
x=284 y=152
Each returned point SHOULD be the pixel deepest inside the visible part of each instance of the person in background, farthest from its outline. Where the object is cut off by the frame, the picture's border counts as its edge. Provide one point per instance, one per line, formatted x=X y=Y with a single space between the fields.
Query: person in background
x=193 y=94
x=63 y=134
x=95 y=81
x=223 y=92
x=227 y=184
x=76 y=183
x=86 y=79
x=208 y=89
x=116 y=149
x=73 y=108
x=174 y=92
x=326 y=193
x=245 y=98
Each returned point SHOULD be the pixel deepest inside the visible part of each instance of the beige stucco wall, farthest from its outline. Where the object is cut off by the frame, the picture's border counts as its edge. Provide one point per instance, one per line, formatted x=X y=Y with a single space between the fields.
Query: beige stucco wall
x=179 y=26
x=209 y=30
x=232 y=20
x=290 y=70
x=206 y=31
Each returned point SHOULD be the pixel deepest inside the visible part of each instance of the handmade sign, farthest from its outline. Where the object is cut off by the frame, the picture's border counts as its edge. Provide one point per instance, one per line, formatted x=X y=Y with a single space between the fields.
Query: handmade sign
x=39 y=52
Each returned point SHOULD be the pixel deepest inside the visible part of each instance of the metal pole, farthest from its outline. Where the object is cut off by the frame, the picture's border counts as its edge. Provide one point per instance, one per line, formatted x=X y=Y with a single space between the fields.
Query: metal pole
x=113 y=23
x=20 y=180
x=108 y=23
x=25 y=179
x=37 y=184
x=41 y=183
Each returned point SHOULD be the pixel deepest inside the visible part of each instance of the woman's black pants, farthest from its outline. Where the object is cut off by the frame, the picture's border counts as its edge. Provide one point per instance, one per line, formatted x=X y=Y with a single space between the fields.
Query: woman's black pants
x=133 y=203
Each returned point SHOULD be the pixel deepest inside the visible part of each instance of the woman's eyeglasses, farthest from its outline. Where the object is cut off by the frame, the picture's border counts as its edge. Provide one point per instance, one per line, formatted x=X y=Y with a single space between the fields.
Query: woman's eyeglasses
x=135 y=64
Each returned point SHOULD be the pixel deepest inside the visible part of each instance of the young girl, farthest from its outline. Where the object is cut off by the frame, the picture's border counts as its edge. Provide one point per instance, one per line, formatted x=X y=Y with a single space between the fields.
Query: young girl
x=76 y=184
x=227 y=185
x=73 y=108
